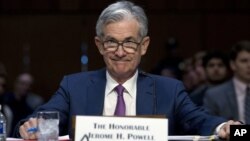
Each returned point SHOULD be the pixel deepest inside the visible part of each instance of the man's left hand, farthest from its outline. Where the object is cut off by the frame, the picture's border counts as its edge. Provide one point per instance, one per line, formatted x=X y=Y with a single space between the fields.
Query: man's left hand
x=224 y=131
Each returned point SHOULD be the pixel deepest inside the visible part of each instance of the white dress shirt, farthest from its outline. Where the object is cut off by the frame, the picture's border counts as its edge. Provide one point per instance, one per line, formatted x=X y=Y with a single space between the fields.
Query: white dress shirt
x=240 y=90
x=129 y=95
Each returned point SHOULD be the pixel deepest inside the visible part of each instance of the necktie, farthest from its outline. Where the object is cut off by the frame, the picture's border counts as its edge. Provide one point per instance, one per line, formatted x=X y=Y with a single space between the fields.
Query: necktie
x=120 y=105
x=247 y=106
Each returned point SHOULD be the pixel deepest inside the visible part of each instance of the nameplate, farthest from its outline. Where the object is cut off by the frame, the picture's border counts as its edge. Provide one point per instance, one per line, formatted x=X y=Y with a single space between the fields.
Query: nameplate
x=104 y=128
x=239 y=132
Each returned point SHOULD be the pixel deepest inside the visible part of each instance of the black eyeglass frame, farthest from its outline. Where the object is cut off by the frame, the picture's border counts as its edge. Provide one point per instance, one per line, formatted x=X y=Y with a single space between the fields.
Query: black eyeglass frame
x=125 y=48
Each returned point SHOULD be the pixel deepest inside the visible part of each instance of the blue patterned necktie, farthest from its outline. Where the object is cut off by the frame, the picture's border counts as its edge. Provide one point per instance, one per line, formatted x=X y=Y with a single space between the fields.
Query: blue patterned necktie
x=247 y=106
x=120 y=109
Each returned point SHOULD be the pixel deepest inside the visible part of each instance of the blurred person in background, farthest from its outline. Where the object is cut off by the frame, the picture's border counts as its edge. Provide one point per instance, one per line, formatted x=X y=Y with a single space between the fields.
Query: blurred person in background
x=193 y=74
x=216 y=67
x=231 y=99
x=5 y=109
x=166 y=69
x=189 y=77
x=168 y=66
x=3 y=85
x=22 y=100
x=198 y=67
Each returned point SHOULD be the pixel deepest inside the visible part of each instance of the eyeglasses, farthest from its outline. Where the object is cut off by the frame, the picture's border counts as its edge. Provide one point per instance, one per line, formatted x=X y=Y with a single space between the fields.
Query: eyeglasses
x=128 y=46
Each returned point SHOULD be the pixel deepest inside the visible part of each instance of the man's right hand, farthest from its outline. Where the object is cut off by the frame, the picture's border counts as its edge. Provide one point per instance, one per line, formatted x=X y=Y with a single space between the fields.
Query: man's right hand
x=24 y=129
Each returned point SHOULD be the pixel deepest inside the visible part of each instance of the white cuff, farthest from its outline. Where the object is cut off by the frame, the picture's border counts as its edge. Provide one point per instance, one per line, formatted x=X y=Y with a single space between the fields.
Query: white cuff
x=217 y=130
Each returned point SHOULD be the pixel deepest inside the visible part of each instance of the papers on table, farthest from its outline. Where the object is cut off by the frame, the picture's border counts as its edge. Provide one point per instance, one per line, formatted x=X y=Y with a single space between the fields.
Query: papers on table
x=193 y=138
x=61 y=138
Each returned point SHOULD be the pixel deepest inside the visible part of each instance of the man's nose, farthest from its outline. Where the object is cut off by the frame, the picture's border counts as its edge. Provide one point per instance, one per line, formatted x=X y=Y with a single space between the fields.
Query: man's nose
x=120 y=51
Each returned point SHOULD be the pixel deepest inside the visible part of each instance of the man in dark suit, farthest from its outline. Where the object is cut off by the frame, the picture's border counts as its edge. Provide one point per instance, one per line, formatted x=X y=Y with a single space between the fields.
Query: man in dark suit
x=228 y=99
x=122 y=39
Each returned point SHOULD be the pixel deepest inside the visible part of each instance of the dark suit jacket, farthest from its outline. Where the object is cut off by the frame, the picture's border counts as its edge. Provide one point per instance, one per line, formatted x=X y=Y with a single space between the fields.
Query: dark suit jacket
x=221 y=101
x=83 y=94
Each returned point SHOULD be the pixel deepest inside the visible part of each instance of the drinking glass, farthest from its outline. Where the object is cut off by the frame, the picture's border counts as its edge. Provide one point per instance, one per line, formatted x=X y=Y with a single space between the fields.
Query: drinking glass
x=48 y=125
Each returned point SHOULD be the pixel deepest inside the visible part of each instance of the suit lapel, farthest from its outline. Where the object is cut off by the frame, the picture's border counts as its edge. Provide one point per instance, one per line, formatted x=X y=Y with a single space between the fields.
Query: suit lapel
x=145 y=102
x=232 y=100
x=96 y=92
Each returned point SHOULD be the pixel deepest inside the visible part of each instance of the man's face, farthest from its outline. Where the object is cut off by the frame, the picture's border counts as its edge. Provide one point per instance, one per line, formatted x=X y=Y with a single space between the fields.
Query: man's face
x=122 y=64
x=216 y=70
x=23 y=84
x=241 y=66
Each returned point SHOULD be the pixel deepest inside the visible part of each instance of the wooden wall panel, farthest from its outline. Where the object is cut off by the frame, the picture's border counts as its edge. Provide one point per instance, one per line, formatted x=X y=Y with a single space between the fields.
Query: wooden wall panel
x=54 y=47
x=224 y=30
x=55 y=29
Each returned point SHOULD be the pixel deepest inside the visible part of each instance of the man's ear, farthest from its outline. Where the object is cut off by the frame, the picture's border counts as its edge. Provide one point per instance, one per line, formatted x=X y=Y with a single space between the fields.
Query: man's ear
x=98 y=43
x=144 y=45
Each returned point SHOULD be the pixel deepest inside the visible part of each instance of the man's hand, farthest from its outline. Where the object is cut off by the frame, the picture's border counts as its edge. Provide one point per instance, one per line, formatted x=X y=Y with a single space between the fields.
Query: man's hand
x=29 y=129
x=224 y=131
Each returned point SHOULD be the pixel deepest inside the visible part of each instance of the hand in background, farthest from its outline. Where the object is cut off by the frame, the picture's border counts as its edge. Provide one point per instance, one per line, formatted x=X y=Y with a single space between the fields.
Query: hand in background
x=29 y=129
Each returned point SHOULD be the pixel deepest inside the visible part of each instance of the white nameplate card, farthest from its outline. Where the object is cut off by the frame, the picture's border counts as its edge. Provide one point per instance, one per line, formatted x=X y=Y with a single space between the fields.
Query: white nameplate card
x=103 y=128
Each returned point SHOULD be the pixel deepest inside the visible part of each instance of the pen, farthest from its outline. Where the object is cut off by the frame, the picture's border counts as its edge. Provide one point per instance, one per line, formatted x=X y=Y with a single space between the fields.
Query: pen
x=32 y=130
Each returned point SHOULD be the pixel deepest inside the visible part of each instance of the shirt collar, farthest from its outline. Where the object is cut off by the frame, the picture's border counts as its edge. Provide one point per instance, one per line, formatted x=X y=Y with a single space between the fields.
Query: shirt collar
x=239 y=85
x=129 y=85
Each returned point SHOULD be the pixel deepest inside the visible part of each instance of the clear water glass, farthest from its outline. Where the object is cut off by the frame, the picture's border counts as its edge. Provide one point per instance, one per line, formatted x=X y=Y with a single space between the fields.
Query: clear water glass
x=48 y=125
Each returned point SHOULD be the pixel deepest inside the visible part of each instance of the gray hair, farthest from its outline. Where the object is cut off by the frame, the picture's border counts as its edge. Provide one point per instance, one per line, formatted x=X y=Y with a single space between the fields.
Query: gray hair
x=119 y=11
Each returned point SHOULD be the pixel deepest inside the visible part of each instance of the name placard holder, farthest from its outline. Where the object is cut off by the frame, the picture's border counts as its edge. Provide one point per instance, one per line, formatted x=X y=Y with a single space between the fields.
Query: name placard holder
x=104 y=128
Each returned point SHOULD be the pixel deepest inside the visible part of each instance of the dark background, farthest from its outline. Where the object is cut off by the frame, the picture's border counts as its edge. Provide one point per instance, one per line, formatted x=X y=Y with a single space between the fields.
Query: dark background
x=51 y=33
